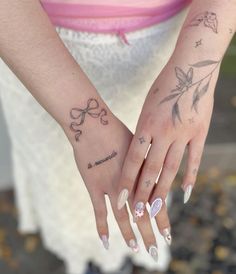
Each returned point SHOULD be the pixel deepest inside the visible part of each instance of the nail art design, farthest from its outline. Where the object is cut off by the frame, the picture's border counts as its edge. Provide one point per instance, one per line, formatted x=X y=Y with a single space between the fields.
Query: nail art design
x=139 y=210
x=153 y=252
x=105 y=241
x=167 y=236
x=123 y=197
x=133 y=245
x=187 y=193
x=155 y=207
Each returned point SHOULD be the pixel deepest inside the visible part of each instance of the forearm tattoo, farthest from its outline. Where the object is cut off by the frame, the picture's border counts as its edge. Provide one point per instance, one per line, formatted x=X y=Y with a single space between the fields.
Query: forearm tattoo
x=207 y=19
x=186 y=83
x=79 y=115
x=109 y=157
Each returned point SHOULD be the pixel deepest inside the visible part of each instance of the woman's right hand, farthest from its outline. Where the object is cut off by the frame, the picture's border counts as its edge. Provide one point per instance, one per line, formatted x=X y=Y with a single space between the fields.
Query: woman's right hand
x=100 y=143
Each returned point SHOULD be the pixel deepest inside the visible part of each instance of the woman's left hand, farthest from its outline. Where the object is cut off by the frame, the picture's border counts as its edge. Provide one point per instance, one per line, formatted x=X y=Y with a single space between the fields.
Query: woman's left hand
x=175 y=115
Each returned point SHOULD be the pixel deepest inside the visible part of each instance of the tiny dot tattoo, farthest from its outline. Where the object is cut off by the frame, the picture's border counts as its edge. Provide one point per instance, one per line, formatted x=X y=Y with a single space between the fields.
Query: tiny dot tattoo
x=198 y=43
x=141 y=140
x=191 y=120
x=148 y=183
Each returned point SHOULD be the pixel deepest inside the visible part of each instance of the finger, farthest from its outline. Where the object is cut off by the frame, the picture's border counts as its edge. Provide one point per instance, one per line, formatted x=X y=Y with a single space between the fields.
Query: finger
x=100 y=211
x=146 y=231
x=168 y=173
x=195 y=150
x=123 y=221
x=163 y=224
x=134 y=160
x=148 y=177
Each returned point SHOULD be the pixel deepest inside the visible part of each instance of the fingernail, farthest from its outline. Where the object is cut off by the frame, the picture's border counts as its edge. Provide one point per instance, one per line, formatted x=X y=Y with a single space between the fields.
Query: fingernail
x=123 y=197
x=153 y=252
x=167 y=236
x=134 y=245
x=187 y=193
x=139 y=210
x=105 y=241
x=155 y=207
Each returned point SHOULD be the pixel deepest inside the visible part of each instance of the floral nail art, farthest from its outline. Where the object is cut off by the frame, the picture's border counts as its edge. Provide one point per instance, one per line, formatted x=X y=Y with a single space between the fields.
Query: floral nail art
x=139 y=210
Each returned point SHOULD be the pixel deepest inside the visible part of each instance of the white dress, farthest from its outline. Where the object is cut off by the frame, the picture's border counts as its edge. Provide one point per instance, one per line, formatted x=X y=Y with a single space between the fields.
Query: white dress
x=48 y=187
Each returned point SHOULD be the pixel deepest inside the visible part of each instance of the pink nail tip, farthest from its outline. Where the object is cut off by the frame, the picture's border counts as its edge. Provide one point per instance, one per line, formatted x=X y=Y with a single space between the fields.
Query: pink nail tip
x=155 y=207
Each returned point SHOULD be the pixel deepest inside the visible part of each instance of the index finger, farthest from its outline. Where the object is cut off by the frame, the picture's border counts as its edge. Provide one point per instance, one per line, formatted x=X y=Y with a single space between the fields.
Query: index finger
x=132 y=164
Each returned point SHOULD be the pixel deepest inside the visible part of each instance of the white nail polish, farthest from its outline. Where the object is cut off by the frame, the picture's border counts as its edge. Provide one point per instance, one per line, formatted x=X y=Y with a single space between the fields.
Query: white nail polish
x=123 y=197
x=153 y=252
x=105 y=241
x=167 y=236
x=155 y=207
x=133 y=245
x=187 y=193
x=139 y=210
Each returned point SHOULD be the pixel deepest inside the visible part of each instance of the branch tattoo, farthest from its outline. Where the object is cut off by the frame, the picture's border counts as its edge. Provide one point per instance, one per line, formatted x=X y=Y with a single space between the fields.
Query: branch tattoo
x=79 y=115
x=186 y=83
x=207 y=19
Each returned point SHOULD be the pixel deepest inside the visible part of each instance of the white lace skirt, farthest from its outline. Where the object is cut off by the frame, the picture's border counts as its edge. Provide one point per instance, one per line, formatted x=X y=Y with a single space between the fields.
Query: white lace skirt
x=50 y=194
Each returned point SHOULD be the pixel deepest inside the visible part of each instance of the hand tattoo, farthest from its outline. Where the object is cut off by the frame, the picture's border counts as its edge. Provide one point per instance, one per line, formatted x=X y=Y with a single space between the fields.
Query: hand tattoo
x=198 y=43
x=112 y=155
x=141 y=140
x=79 y=115
x=184 y=85
x=209 y=20
x=148 y=183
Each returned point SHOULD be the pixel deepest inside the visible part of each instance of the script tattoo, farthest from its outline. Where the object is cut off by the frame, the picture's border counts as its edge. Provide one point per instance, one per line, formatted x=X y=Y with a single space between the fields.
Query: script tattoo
x=186 y=83
x=79 y=115
x=208 y=19
x=109 y=157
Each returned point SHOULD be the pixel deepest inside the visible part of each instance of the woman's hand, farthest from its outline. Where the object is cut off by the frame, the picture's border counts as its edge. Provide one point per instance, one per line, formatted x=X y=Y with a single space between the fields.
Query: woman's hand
x=175 y=115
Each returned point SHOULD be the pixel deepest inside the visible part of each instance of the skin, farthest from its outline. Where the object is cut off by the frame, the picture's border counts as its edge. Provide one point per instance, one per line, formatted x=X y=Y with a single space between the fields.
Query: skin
x=172 y=129
x=43 y=64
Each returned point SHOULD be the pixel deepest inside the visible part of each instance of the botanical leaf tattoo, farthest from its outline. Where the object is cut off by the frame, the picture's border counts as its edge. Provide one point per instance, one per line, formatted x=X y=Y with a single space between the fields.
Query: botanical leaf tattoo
x=186 y=84
x=207 y=19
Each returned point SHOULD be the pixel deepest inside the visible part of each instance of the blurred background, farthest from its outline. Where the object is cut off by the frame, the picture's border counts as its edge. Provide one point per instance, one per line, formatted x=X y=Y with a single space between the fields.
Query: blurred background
x=204 y=231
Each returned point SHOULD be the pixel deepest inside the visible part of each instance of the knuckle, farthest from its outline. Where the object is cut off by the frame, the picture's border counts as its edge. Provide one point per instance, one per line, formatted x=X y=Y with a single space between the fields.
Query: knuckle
x=152 y=167
x=171 y=166
x=122 y=216
x=135 y=157
x=100 y=213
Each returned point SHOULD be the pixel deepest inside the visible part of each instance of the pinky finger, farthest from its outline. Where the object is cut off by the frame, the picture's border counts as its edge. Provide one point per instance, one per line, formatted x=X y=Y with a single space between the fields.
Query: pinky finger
x=195 y=151
x=100 y=211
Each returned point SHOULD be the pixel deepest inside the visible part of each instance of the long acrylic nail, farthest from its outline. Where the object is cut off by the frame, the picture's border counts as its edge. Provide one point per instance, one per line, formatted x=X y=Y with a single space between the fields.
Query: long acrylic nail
x=123 y=197
x=153 y=252
x=105 y=241
x=155 y=207
x=139 y=210
x=134 y=245
x=187 y=193
x=167 y=236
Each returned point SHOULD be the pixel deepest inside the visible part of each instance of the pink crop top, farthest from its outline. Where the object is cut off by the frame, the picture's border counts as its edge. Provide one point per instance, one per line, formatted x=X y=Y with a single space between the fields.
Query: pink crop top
x=110 y=16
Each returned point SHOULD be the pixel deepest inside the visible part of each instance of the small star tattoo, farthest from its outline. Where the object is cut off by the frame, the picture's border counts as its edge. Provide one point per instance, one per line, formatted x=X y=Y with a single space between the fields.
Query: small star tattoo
x=148 y=183
x=198 y=43
x=141 y=140
x=191 y=120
